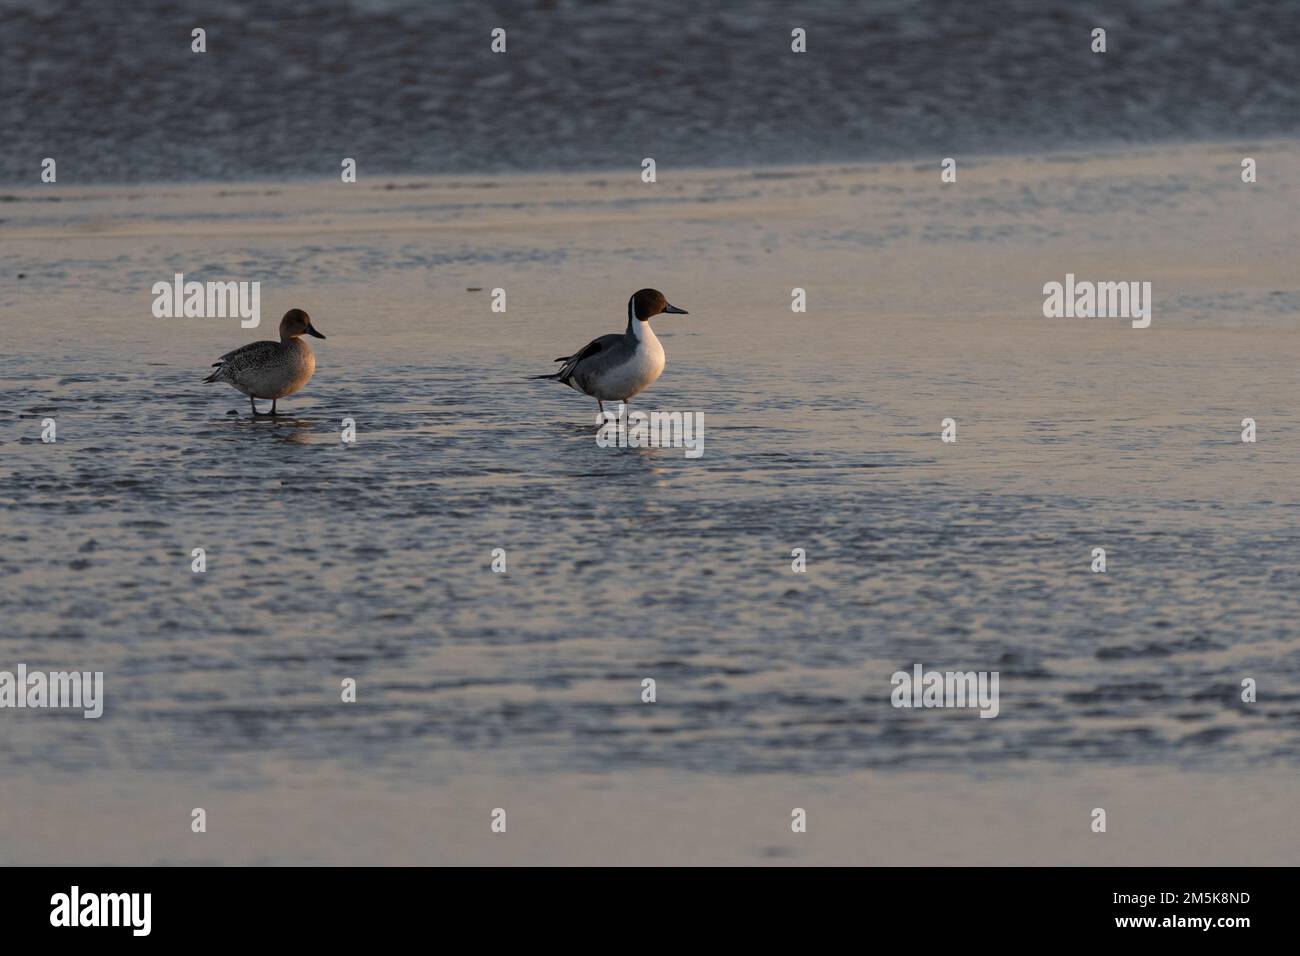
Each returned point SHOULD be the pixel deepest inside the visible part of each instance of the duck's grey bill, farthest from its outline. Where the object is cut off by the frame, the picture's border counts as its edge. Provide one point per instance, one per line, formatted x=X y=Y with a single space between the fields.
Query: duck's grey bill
x=673 y=310
x=312 y=331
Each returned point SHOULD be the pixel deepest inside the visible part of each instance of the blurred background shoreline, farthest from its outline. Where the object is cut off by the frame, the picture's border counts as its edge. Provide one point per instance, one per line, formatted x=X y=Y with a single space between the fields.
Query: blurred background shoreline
x=114 y=92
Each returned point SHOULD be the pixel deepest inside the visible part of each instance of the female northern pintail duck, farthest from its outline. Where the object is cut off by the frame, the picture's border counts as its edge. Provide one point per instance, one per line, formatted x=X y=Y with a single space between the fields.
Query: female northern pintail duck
x=615 y=367
x=271 y=369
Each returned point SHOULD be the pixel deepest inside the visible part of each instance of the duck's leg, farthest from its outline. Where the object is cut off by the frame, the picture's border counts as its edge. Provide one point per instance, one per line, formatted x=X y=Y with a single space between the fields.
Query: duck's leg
x=253 y=404
x=273 y=411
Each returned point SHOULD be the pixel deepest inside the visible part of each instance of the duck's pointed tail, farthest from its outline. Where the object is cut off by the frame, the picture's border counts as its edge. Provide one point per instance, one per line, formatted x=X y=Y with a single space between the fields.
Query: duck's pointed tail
x=220 y=369
x=559 y=376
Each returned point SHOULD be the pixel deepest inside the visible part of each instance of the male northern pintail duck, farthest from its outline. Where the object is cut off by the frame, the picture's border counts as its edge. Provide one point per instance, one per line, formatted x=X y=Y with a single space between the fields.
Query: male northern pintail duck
x=615 y=367
x=271 y=369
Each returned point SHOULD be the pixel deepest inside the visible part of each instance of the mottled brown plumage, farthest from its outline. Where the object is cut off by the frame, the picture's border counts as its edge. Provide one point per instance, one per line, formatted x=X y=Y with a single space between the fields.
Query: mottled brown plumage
x=271 y=369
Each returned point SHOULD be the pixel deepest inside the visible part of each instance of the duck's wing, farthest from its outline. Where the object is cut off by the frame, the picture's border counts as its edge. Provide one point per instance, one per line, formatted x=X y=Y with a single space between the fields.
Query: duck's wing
x=589 y=354
x=253 y=351
x=246 y=356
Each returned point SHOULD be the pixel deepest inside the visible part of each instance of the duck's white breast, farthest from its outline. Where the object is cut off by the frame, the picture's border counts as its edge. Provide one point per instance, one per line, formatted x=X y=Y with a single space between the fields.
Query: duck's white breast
x=622 y=381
